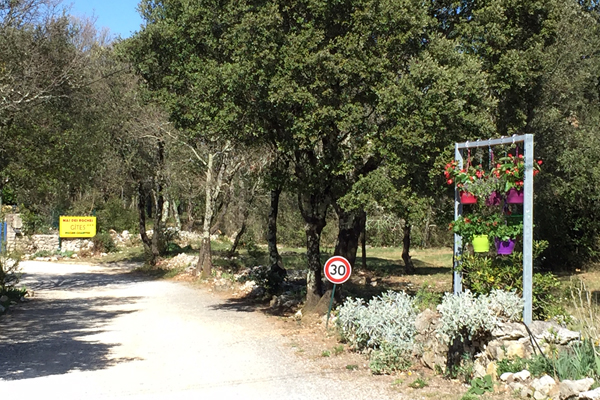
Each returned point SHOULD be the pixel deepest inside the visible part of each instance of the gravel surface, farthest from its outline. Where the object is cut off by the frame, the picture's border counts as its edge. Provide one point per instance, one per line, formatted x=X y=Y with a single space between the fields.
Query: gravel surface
x=95 y=332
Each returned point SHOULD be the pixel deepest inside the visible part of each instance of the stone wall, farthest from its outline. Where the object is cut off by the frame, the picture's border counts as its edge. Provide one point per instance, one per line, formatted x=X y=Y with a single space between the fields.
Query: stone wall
x=508 y=340
x=76 y=245
x=35 y=243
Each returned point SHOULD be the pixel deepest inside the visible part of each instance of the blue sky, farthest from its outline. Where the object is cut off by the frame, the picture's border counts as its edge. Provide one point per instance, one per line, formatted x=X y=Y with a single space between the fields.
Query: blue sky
x=120 y=16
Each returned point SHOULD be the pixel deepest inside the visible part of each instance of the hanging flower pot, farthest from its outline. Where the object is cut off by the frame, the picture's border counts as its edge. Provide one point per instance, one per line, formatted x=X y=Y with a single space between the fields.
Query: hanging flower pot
x=514 y=196
x=505 y=247
x=467 y=198
x=480 y=244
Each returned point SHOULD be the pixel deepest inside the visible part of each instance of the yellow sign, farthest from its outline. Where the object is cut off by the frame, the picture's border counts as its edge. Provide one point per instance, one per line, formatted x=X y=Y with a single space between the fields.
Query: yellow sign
x=77 y=227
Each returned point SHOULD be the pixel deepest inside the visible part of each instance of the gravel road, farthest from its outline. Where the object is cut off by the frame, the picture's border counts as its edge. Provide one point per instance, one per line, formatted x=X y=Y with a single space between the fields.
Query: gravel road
x=94 y=332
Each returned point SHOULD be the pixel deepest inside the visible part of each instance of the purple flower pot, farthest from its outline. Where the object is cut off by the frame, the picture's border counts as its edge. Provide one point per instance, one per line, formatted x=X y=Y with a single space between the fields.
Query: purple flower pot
x=467 y=198
x=493 y=200
x=505 y=247
x=514 y=196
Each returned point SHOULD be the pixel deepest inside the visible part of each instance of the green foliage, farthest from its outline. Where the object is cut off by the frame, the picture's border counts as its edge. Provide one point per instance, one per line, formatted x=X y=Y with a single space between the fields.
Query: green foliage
x=34 y=223
x=114 y=215
x=515 y=364
x=482 y=385
x=387 y=360
x=43 y=253
x=325 y=353
x=484 y=274
x=104 y=243
x=537 y=365
x=470 y=225
x=425 y=298
x=463 y=370
x=469 y=396
x=9 y=273
x=418 y=383
x=579 y=361
x=339 y=349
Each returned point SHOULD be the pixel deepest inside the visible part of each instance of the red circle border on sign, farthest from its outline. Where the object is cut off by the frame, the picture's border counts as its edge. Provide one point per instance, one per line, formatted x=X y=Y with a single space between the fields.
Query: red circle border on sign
x=343 y=261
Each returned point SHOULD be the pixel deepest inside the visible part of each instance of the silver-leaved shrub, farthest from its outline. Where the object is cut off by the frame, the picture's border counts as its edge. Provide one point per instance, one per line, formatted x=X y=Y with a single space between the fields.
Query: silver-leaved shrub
x=385 y=324
x=465 y=316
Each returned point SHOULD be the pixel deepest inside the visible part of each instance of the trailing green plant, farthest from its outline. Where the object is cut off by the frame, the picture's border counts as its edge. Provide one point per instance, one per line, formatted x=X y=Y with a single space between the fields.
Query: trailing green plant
x=504 y=231
x=385 y=324
x=470 y=225
x=511 y=170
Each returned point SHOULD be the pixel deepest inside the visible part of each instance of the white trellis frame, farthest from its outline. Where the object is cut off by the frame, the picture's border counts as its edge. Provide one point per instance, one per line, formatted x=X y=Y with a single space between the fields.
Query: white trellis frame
x=527 y=215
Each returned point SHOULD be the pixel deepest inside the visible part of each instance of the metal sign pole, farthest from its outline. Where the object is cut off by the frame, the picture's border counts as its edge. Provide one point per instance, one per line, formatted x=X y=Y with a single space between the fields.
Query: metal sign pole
x=330 y=305
x=528 y=231
x=458 y=210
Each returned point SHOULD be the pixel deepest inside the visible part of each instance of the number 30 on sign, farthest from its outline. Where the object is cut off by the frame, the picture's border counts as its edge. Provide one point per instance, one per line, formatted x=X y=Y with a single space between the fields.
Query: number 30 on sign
x=337 y=270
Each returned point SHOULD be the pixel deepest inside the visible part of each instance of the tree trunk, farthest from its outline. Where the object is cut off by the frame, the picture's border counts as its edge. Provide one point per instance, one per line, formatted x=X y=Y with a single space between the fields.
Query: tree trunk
x=213 y=188
x=274 y=257
x=158 y=242
x=204 y=265
x=409 y=267
x=363 y=245
x=190 y=216
x=350 y=227
x=165 y=210
x=238 y=237
x=313 y=207
x=175 y=212
x=152 y=256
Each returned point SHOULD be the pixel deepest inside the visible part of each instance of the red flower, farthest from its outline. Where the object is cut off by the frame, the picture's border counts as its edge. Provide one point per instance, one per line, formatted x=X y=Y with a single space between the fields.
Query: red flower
x=539 y=162
x=450 y=181
x=467 y=221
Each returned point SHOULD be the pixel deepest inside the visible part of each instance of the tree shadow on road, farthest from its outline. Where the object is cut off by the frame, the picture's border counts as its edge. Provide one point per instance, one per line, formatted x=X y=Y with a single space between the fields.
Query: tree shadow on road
x=54 y=336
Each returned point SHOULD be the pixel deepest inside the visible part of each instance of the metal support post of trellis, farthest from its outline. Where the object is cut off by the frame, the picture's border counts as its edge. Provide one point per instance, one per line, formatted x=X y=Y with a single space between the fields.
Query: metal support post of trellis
x=527 y=215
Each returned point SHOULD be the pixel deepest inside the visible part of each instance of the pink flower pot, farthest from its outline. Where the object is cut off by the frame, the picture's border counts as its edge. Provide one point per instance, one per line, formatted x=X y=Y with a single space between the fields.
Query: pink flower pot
x=467 y=198
x=514 y=196
x=505 y=247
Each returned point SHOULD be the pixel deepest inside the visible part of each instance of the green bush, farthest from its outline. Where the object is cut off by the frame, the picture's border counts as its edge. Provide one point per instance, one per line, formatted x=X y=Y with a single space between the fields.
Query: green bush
x=483 y=274
x=113 y=215
x=104 y=243
x=34 y=223
x=388 y=359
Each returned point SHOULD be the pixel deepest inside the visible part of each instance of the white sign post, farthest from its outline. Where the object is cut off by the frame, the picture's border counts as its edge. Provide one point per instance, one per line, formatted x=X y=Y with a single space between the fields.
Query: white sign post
x=337 y=271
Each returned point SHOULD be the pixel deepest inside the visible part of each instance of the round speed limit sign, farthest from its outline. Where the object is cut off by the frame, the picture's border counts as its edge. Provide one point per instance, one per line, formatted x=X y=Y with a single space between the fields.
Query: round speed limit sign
x=337 y=270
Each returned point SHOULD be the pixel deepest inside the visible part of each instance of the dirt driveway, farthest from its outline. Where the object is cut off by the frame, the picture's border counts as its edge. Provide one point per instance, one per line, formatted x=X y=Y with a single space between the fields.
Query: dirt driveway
x=101 y=332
